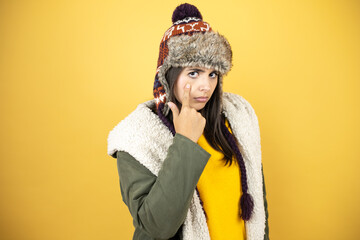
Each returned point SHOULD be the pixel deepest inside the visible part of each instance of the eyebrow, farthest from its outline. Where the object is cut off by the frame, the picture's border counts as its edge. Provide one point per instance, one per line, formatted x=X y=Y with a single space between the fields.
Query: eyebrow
x=200 y=70
x=196 y=69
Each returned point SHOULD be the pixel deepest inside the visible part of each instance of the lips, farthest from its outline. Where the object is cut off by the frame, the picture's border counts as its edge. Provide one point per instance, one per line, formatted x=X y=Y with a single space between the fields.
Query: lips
x=201 y=99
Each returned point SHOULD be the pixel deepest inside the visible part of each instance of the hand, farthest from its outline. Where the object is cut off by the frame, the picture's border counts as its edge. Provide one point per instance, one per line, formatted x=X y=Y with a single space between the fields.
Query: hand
x=189 y=122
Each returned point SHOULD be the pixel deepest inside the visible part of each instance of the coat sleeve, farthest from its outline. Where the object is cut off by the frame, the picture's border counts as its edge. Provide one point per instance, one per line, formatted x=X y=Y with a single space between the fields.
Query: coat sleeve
x=159 y=204
x=266 y=236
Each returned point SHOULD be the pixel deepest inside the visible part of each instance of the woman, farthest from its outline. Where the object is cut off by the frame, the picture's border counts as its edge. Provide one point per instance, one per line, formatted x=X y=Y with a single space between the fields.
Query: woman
x=189 y=161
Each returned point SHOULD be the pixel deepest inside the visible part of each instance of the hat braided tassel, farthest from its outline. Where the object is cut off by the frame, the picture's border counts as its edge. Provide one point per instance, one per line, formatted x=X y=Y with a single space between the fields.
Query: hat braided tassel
x=246 y=200
x=247 y=206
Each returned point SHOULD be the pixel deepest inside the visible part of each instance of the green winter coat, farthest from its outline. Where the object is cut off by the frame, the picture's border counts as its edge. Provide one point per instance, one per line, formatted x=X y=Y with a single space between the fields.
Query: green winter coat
x=159 y=204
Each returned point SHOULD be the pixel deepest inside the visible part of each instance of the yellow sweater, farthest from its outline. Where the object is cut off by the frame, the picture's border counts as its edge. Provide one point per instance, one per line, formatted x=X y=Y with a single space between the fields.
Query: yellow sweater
x=220 y=191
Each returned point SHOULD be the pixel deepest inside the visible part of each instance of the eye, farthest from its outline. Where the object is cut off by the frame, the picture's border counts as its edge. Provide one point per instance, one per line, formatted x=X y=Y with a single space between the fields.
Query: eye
x=214 y=74
x=193 y=74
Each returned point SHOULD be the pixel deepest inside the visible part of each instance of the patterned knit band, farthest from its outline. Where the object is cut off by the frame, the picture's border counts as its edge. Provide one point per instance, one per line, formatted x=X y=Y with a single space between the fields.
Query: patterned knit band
x=189 y=42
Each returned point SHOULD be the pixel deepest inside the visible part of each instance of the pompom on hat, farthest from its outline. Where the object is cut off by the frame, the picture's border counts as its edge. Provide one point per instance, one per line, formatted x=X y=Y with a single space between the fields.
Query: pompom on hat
x=189 y=42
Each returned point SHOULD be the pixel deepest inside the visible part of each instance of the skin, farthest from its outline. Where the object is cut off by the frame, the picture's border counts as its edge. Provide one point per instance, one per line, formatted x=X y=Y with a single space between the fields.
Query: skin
x=203 y=82
x=190 y=85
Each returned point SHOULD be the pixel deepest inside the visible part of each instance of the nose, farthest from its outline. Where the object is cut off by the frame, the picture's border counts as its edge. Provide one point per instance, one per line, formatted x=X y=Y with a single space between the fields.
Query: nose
x=204 y=84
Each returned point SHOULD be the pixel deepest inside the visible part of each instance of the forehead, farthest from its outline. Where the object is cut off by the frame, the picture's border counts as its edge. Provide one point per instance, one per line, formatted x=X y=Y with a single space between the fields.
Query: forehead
x=199 y=68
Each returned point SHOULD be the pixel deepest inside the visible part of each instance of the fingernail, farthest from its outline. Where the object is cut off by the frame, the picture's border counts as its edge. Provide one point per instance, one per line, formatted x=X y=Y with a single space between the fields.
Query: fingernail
x=187 y=86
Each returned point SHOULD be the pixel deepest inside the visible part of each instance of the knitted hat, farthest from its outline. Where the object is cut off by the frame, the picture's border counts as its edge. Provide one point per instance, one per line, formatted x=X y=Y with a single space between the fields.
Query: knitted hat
x=189 y=42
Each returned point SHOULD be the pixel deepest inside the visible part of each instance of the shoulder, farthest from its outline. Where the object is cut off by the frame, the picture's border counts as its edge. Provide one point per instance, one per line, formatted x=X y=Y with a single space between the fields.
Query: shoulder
x=140 y=121
x=141 y=130
x=239 y=102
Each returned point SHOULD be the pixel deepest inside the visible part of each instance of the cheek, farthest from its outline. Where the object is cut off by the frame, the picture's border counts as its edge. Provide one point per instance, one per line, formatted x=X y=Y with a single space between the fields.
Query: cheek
x=179 y=94
x=214 y=86
x=179 y=89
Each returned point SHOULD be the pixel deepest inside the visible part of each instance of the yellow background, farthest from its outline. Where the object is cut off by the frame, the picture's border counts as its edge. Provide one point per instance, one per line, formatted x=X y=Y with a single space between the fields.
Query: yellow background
x=71 y=70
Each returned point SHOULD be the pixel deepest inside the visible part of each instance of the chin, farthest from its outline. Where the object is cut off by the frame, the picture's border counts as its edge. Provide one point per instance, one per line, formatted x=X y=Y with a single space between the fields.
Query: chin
x=198 y=107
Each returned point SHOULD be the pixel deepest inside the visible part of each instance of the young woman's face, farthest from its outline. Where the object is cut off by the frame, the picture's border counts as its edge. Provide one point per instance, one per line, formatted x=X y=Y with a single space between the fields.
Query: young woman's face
x=203 y=82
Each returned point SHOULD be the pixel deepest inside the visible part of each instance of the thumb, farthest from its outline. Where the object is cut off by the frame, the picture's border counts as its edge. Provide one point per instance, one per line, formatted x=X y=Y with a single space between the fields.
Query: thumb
x=174 y=109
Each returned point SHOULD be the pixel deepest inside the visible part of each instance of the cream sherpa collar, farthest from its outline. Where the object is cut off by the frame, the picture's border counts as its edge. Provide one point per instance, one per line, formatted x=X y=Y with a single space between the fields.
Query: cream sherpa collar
x=146 y=138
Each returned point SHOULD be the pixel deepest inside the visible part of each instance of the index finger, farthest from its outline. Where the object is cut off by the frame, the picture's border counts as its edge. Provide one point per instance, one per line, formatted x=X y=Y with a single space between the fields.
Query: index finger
x=186 y=96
